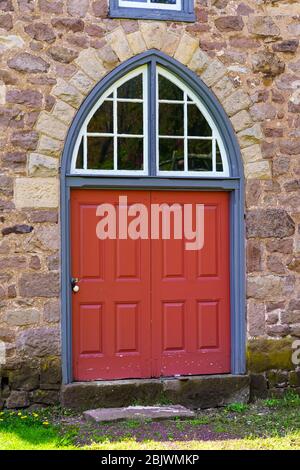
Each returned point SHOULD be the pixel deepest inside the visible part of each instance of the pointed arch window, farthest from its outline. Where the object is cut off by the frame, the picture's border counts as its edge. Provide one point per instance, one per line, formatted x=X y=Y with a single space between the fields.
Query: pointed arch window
x=150 y=123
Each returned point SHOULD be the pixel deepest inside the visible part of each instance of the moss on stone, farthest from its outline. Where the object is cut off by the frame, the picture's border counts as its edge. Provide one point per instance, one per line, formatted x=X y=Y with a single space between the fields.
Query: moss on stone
x=277 y=377
x=294 y=378
x=51 y=370
x=45 y=397
x=266 y=354
x=49 y=362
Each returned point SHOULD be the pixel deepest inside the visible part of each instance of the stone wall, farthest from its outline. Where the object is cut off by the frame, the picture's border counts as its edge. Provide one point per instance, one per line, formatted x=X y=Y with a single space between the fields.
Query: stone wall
x=52 y=54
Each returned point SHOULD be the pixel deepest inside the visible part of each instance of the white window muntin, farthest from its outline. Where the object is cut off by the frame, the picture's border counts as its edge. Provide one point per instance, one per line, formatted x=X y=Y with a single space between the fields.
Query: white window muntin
x=193 y=100
x=84 y=134
x=153 y=6
x=215 y=133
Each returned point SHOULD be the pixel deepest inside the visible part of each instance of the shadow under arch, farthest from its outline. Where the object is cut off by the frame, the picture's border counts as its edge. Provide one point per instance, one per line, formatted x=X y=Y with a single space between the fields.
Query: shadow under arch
x=234 y=183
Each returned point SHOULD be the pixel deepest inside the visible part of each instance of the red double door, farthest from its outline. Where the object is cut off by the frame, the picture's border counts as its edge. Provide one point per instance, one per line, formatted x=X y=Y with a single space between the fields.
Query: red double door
x=149 y=307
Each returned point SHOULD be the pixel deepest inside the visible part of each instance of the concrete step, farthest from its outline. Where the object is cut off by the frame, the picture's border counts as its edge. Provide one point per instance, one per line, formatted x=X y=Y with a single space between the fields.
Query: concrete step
x=204 y=391
x=138 y=412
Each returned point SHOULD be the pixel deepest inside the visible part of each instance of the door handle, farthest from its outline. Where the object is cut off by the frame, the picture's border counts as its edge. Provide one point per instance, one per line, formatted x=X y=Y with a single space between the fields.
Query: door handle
x=74 y=284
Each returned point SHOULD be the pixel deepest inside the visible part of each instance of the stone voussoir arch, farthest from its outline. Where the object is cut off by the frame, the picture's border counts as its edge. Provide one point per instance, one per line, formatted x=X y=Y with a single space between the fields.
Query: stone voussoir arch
x=93 y=65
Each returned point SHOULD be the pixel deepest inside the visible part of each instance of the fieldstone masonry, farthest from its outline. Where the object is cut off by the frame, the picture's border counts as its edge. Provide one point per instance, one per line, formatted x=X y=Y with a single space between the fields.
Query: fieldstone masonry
x=52 y=54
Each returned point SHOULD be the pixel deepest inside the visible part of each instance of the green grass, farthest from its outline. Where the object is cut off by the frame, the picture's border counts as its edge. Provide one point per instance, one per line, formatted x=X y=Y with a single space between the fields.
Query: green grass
x=291 y=442
x=237 y=407
x=23 y=430
x=267 y=424
x=289 y=399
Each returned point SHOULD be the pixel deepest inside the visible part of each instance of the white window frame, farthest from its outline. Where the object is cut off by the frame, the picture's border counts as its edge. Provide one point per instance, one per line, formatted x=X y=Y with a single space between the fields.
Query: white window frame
x=153 y=6
x=84 y=134
x=181 y=10
x=187 y=92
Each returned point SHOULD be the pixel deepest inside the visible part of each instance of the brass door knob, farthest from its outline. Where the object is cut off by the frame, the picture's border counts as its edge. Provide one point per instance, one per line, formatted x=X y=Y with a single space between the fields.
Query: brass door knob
x=75 y=287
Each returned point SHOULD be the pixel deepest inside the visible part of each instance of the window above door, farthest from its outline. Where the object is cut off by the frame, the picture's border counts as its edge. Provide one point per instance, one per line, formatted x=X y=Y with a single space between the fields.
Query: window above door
x=150 y=123
x=176 y=10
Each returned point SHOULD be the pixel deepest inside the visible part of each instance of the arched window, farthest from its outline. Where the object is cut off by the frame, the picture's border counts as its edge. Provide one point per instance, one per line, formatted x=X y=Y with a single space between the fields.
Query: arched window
x=138 y=127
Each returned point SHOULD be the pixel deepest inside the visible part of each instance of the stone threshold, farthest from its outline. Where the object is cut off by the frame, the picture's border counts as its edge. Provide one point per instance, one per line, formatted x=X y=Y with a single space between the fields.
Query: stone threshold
x=205 y=391
x=142 y=413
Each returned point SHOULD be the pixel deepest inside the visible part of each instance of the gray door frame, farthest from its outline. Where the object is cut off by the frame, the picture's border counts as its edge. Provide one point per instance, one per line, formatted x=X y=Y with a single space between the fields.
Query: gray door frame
x=234 y=184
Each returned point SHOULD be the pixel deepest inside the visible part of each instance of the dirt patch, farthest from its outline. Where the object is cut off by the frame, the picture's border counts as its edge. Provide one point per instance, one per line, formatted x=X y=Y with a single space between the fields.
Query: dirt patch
x=178 y=430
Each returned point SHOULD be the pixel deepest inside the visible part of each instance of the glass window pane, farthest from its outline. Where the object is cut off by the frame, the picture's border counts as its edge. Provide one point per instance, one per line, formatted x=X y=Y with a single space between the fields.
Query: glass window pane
x=171 y=155
x=171 y=119
x=219 y=163
x=197 y=124
x=200 y=155
x=132 y=88
x=167 y=90
x=100 y=153
x=102 y=121
x=130 y=118
x=79 y=160
x=130 y=153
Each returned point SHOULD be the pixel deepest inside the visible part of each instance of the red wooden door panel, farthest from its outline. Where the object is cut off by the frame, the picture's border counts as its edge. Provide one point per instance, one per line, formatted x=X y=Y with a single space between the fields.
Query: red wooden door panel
x=111 y=311
x=149 y=308
x=190 y=293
